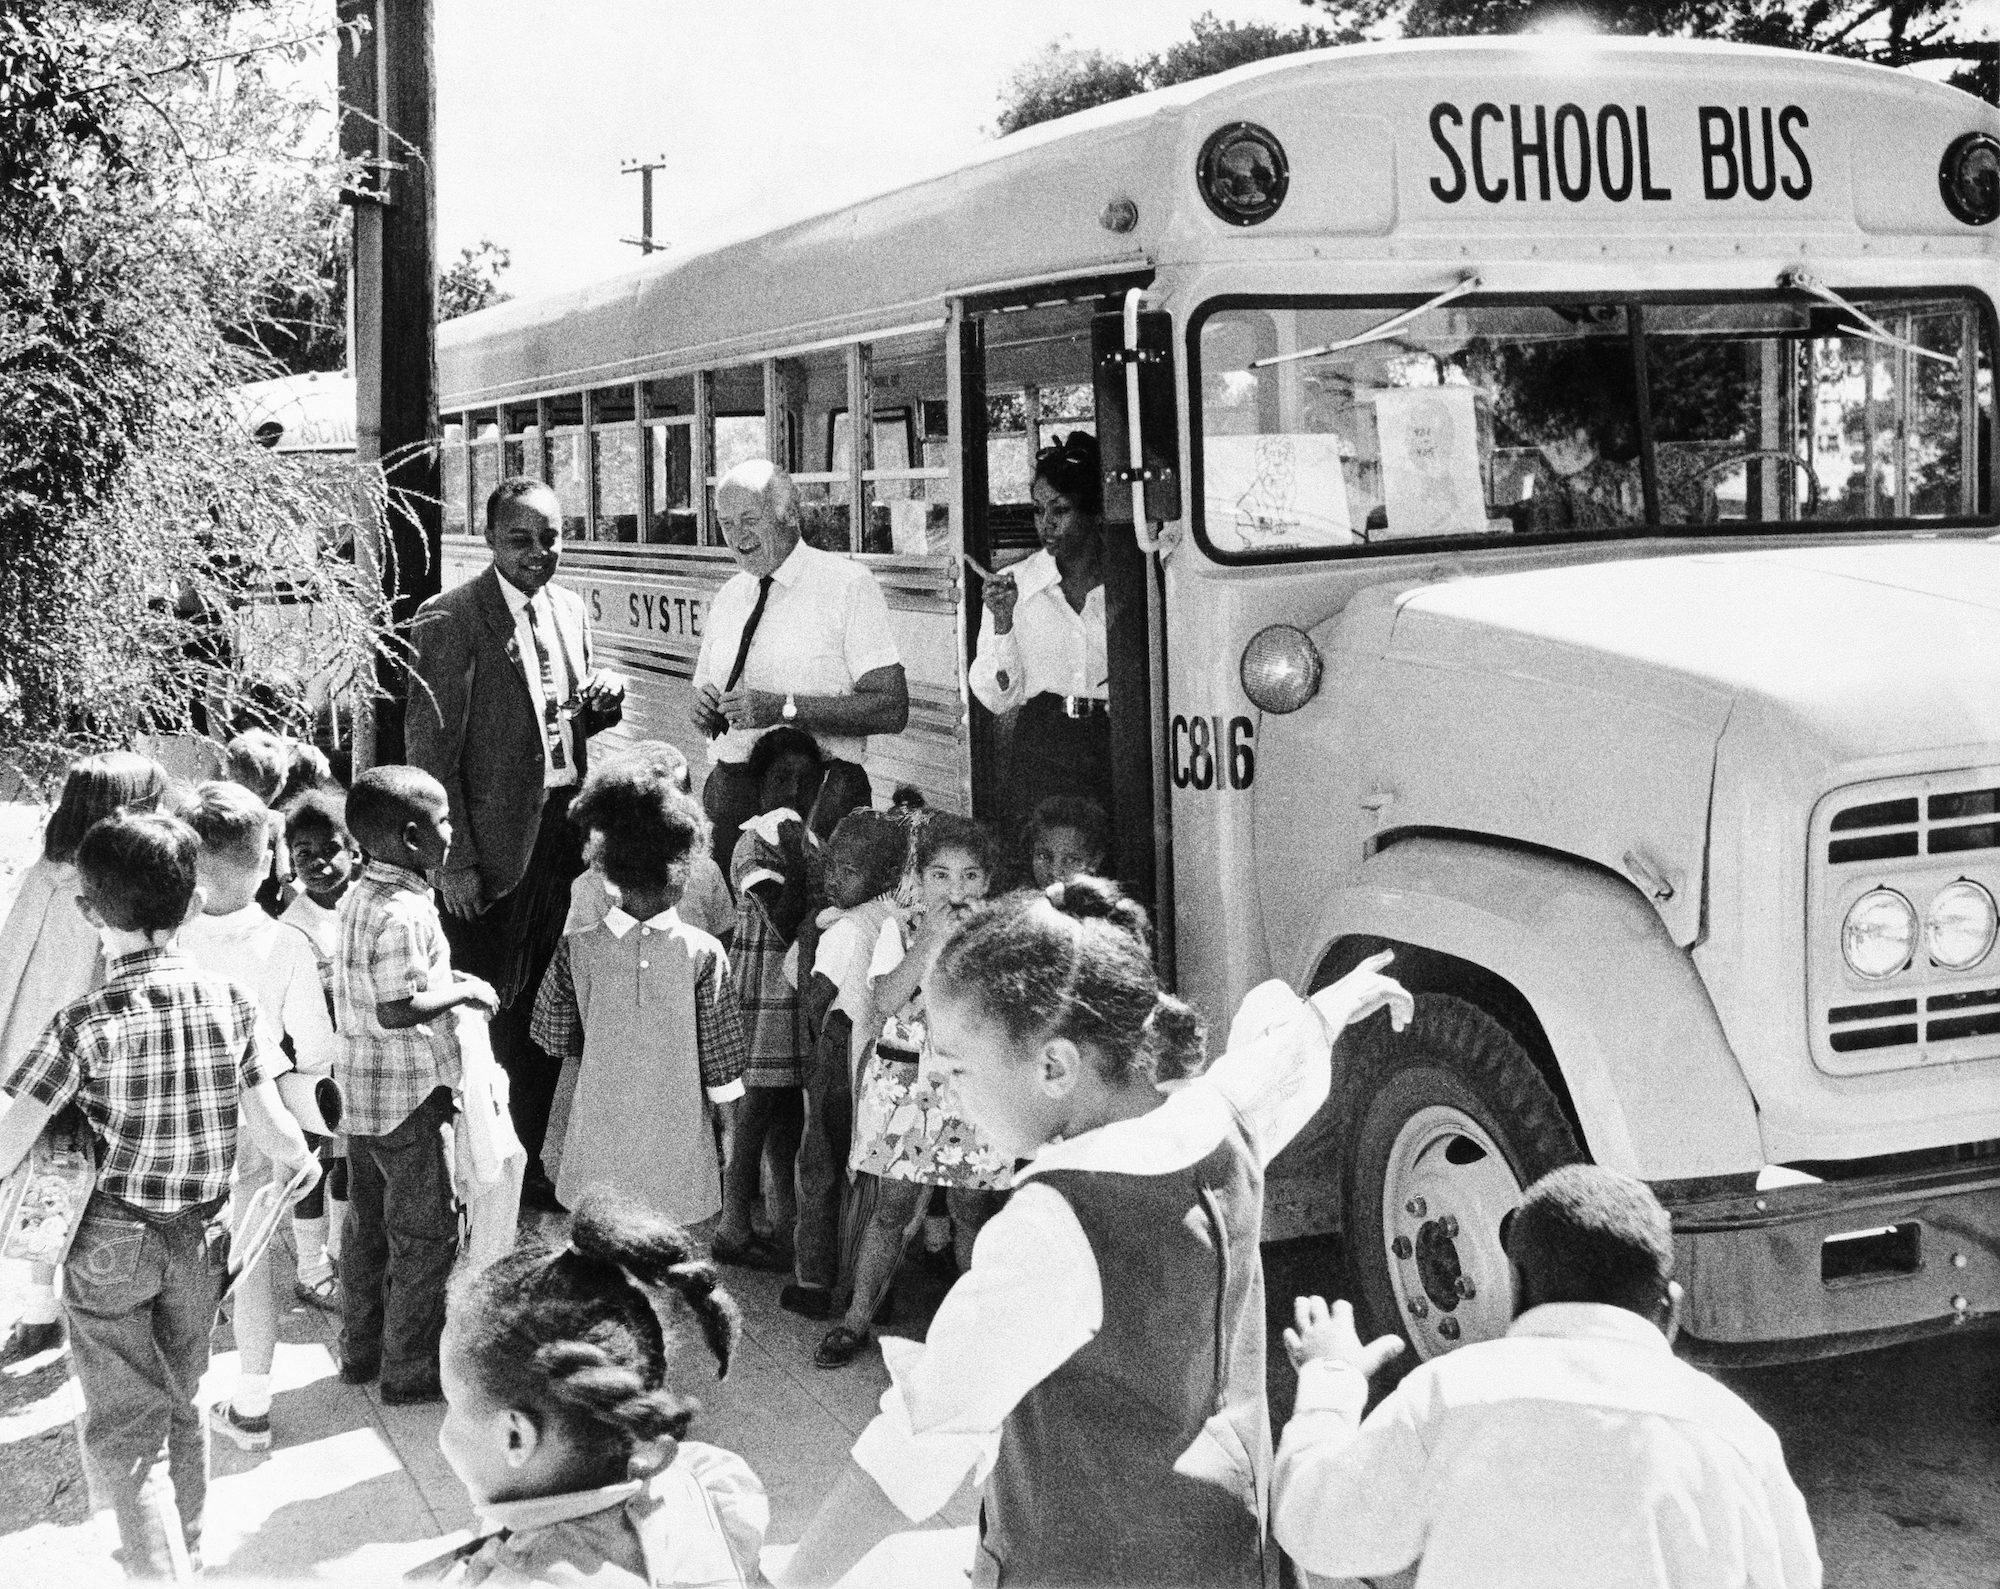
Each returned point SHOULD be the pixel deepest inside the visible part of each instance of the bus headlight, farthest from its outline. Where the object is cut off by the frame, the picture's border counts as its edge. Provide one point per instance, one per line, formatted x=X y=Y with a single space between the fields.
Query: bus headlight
x=1969 y=178
x=1879 y=933
x=1960 y=926
x=1281 y=669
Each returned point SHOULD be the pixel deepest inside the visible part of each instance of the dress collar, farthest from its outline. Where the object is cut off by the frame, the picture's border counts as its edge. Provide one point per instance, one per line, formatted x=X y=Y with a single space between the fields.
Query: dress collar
x=545 y=1511
x=622 y=921
x=767 y=823
x=1585 y=1321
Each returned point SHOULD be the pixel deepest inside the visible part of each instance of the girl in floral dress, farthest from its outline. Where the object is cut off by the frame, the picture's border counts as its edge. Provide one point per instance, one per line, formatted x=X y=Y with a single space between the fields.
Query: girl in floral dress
x=908 y=1133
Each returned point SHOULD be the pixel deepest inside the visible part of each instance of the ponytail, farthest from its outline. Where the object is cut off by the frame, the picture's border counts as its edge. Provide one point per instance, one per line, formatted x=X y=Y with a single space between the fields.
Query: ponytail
x=1074 y=961
x=580 y=1337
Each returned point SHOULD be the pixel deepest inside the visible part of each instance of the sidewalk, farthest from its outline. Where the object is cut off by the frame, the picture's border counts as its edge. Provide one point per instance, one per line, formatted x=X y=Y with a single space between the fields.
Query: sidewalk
x=354 y=1491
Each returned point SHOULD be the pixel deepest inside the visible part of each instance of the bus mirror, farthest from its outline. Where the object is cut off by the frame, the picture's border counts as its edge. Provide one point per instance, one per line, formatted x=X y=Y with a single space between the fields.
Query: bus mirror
x=1158 y=428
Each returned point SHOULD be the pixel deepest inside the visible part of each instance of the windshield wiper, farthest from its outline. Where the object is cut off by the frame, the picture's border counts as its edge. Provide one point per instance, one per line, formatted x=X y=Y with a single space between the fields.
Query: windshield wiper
x=1387 y=328
x=1796 y=278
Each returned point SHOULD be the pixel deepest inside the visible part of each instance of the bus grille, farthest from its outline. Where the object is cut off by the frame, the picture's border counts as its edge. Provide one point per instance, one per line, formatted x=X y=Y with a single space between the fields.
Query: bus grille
x=1914 y=835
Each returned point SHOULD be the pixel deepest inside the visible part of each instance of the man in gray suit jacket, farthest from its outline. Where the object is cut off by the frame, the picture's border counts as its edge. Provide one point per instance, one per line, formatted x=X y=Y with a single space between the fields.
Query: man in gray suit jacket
x=504 y=696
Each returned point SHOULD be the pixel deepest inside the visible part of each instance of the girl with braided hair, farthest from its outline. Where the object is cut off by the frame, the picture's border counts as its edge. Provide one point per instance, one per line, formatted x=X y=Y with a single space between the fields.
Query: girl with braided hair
x=1101 y=1365
x=562 y=1424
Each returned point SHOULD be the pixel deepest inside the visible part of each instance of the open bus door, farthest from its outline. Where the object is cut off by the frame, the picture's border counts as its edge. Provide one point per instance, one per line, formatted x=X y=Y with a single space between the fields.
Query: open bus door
x=1031 y=372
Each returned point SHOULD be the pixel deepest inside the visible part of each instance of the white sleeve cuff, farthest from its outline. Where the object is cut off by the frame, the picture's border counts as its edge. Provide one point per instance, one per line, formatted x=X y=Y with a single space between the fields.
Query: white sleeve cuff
x=728 y=1092
x=1328 y=1386
x=919 y=1473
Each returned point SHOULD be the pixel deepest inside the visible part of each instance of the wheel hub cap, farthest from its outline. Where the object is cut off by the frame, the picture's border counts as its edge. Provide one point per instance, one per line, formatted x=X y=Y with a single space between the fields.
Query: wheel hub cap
x=1447 y=1187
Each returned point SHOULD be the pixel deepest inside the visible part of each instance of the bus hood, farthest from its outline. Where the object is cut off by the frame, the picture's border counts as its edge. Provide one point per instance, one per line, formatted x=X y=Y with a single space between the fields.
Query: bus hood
x=1584 y=707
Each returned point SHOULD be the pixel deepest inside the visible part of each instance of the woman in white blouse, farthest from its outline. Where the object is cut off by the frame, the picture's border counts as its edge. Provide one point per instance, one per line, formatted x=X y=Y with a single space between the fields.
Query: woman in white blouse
x=1042 y=644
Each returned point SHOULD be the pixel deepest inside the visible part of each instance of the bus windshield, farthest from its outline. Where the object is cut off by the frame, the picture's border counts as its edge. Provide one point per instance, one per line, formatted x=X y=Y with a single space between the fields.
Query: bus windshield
x=1625 y=416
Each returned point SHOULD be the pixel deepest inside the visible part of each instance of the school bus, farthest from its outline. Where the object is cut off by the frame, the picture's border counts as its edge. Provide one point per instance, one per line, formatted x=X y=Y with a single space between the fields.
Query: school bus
x=1563 y=474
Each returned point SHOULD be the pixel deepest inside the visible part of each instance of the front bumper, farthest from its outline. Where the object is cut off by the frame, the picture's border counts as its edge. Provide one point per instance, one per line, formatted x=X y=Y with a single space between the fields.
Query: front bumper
x=1765 y=1286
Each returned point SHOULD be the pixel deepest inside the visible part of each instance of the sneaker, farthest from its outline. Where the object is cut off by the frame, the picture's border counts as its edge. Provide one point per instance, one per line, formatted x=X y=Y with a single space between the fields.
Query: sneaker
x=248 y=1434
x=30 y=1340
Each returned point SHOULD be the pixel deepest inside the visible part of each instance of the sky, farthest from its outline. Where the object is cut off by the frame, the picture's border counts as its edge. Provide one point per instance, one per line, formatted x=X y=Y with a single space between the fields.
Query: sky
x=756 y=105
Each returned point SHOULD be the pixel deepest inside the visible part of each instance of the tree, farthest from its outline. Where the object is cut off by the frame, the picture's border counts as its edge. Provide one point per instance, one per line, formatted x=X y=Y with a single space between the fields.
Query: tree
x=1887 y=32
x=162 y=183
x=472 y=281
x=1061 y=79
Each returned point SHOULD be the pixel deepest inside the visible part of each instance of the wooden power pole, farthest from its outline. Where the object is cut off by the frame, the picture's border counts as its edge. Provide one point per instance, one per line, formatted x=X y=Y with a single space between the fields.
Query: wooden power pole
x=388 y=98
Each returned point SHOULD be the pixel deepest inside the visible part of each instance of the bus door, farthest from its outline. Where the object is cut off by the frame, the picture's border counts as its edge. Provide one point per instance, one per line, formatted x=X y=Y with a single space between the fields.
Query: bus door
x=1029 y=379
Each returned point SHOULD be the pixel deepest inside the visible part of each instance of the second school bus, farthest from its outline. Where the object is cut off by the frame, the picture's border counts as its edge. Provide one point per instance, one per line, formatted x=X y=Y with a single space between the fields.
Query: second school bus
x=1565 y=557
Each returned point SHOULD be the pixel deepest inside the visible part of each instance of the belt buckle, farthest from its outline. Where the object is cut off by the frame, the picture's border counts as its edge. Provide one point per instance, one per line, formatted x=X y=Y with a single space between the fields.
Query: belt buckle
x=1076 y=706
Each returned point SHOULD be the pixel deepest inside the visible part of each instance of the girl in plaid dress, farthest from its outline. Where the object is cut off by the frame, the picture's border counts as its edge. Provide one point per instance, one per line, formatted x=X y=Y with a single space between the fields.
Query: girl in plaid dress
x=775 y=871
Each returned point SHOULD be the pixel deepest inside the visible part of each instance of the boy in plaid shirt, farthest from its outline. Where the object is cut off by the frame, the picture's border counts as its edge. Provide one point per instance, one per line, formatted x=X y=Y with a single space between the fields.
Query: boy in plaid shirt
x=160 y=1061
x=397 y=1064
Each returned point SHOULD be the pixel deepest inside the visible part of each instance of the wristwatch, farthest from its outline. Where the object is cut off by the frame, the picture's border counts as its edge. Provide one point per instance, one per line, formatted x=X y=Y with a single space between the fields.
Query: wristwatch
x=791 y=708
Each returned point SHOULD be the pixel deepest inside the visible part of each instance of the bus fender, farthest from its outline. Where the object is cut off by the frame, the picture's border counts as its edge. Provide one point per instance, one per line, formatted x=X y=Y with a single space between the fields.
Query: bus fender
x=1653 y=1082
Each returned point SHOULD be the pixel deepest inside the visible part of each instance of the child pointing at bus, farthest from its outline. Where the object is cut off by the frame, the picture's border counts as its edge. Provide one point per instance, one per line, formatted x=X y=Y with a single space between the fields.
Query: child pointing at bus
x=1129 y=1245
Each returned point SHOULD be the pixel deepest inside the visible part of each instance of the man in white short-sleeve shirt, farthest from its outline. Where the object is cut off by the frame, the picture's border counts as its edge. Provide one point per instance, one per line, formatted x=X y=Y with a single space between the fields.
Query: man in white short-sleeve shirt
x=798 y=636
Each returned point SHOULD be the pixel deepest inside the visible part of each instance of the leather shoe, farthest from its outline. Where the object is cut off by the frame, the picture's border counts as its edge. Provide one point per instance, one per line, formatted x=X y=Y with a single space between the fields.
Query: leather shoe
x=809 y=1302
x=413 y=1394
x=359 y=1373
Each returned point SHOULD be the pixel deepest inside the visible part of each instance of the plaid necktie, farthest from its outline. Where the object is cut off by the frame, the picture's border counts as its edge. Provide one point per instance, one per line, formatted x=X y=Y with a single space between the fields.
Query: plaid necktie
x=551 y=709
x=749 y=633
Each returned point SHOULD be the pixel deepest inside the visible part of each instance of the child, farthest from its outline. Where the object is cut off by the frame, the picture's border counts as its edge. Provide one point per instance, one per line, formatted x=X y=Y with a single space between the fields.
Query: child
x=162 y=1061
x=643 y=1007
x=562 y=1427
x=1575 y=1451
x=706 y=901
x=1060 y=1363
x=909 y=1134
x=398 y=1062
x=49 y=957
x=262 y=763
x=774 y=870
x=324 y=856
x=1068 y=836
x=864 y=862
x=234 y=938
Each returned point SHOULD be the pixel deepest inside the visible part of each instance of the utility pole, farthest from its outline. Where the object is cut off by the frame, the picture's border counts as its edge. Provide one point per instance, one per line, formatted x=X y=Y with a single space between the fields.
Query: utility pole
x=645 y=241
x=388 y=98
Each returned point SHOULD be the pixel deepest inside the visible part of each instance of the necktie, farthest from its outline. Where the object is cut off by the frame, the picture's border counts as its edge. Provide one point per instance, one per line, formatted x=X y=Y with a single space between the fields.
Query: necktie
x=551 y=709
x=749 y=633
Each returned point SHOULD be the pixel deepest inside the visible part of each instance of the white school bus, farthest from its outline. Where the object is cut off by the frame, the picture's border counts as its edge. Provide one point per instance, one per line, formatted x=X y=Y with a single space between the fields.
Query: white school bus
x=1565 y=556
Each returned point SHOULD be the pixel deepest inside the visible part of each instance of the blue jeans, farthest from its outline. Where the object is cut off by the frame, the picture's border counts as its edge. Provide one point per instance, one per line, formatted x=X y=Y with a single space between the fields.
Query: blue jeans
x=398 y=1248
x=140 y=1294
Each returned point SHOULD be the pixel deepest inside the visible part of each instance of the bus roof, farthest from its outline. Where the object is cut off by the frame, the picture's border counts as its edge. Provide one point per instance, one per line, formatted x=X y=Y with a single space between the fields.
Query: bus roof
x=1030 y=207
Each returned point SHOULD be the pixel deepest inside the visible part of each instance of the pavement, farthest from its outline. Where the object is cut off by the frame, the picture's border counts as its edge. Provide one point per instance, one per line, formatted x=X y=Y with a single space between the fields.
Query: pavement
x=357 y=1492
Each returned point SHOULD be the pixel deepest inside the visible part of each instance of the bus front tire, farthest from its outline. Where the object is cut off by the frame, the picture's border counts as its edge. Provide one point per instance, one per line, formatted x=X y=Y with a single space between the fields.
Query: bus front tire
x=1450 y=1121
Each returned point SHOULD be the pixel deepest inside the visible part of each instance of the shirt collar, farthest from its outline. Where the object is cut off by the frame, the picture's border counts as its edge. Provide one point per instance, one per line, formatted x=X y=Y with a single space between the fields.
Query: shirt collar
x=1035 y=574
x=513 y=595
x=126 y=961
x=388 y=875
x=229 y=924
x=622 y=921
x=793 y=567
x=545 y=1511
x=1583 y=1321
